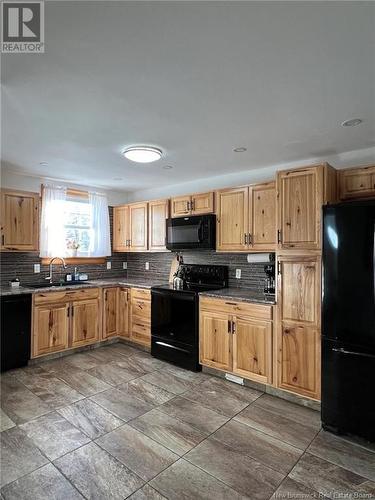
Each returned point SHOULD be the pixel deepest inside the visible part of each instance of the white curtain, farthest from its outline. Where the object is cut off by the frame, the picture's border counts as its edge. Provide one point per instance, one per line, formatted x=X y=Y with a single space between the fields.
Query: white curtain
x=52 y=233
x=100 y=240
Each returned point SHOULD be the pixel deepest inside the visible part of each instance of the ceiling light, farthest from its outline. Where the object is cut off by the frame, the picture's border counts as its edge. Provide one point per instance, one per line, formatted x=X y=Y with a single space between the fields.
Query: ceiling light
x=142 y=154
x=351 y=123
x=239 y=150
x=167 y=167
x=43 y=163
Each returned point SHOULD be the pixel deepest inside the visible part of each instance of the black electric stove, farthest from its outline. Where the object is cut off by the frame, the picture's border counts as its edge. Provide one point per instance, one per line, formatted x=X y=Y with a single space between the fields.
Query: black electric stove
x=175 y=314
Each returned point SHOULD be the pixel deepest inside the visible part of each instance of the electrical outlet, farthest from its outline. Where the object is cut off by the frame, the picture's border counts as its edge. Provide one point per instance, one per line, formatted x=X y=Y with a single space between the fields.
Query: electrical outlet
x=147 y=266
x=36 y=268
x=124 y=265
x=109 y=265
x=238 y=274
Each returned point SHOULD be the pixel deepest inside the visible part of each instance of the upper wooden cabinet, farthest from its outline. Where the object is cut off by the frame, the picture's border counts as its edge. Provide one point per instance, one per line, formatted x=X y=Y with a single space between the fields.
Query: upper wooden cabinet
x=19 y=221
x=195 y=204
x=357 y=183
x=157 y=216
x=121 y=238
x=138 y=214
x=301 y=194
x=246 y=218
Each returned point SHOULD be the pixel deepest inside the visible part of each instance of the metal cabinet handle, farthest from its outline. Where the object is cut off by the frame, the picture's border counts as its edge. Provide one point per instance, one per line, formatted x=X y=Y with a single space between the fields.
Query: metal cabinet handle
x=3 y=239
x=245 y=239
x=233 y=327
x=229 y=326
x=279 y=236
x=192 y=205
x=250 y=239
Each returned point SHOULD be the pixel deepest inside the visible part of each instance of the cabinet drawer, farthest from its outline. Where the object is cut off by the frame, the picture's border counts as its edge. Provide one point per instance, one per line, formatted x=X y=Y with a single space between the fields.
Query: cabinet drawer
x=64 y=296
x=140 y=293
x=236 y=307
x=141 y=332
x=141 y=309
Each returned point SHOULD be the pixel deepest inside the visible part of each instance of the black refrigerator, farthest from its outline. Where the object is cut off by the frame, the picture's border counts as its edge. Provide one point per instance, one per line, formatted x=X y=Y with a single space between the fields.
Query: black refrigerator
x=348 y=319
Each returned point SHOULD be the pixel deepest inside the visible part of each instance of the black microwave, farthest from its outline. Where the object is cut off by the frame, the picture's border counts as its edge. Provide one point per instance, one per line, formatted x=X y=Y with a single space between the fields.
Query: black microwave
x=187 y=233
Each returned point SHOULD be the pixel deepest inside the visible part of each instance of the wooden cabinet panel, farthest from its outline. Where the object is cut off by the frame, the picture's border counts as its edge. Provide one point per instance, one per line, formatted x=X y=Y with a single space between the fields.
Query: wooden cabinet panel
x=141 y=332
x=138 y=227
x=157 y=215
x=252 y=349
x=299 y=289
x=357 y=183
x=202 y=203
x=19 y=221
x=299 y=205
x=262 y=218
x=50 y=328
x=215 y=340
x=121 y=235
x=231 y=307
x=123 y=312
x=85 y=322
x=232 y=206
x=110 y=312
x=140 y=316
x=66 y=296
x=300 y=364
x=180 y=205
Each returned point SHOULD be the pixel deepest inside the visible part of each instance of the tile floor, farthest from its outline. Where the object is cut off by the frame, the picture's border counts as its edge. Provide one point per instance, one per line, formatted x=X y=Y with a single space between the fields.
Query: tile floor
x=115 y=423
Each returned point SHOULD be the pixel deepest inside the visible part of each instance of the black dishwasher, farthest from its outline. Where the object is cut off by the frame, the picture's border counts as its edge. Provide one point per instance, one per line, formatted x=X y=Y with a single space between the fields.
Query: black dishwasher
x=15 y=331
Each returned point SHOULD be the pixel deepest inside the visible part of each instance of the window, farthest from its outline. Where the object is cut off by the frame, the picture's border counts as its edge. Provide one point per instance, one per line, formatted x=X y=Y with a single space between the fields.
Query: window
x=78 y=226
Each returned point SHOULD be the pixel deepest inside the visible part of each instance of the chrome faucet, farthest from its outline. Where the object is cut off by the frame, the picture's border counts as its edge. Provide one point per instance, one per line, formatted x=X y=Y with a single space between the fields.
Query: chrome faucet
x=50 y=277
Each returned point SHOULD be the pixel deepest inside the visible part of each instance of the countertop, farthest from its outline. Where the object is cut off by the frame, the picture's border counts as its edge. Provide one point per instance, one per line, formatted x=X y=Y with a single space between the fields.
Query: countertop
x=101 y=283
x=241 y=295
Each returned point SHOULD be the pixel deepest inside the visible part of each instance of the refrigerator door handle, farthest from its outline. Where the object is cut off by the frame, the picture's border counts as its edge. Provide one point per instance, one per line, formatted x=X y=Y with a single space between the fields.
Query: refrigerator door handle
x=344 y=351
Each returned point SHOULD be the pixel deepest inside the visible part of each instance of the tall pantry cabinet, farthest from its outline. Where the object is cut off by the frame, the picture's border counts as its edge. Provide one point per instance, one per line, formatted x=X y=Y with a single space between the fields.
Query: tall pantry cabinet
x=301 y=194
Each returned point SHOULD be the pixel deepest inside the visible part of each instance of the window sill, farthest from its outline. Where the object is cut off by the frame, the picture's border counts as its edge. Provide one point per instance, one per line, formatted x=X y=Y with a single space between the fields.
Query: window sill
x=76 y=260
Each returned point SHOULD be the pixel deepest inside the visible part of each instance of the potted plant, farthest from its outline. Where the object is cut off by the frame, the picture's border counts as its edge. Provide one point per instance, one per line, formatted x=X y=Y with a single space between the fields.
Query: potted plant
x=72 y=247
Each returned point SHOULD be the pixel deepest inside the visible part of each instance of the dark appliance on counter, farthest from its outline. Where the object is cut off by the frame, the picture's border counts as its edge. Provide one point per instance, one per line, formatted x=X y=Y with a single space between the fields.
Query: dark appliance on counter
x=15 y=331
x=269 y=286
x=187 y=233
x=175 y=314
x=348 y=319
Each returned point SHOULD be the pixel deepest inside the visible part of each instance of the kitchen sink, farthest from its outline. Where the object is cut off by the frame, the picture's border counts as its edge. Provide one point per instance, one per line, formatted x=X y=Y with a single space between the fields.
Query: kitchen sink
x=56 y=285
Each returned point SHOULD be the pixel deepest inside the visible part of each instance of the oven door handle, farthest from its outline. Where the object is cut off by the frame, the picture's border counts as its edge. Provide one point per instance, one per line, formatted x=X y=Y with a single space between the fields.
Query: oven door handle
x=177 y=294
x=164 y=344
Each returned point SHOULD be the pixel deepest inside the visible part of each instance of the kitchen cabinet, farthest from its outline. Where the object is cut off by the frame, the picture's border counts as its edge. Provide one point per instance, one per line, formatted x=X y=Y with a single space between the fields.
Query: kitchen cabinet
x=237 y=337
x=300 y=196
x=19 y=221
x=121 y=235
x=298 y=332
x=246 y=218
x=195 y=204
x=123 y=312
x=51 y=328
x=157 y=216
x=357 y=183
x=110 y=308
x=65 y=319
x=85 y=322
x=140 y=316
x=138 y=227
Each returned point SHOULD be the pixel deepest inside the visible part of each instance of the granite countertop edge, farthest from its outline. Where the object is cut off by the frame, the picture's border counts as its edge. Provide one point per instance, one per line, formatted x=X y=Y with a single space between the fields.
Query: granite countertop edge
x=240 y=295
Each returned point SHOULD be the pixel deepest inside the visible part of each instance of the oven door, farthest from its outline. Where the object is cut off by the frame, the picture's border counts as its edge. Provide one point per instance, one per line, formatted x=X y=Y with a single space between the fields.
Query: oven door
x=174 y=316
x=185 y=233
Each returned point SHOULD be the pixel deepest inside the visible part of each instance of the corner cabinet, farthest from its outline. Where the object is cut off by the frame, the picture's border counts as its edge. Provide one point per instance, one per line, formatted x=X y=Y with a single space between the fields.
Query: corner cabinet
x=357 y=183
x=19 y=221
x=246 y=218
x=195 y=204
x=110 y=312
x=123 y=312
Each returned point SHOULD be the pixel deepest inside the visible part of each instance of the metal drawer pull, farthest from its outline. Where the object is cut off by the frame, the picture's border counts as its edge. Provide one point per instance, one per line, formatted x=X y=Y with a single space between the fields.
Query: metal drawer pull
x=164 y=344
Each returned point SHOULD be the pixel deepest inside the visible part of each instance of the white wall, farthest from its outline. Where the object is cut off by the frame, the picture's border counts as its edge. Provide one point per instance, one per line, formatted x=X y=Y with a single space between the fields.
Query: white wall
x=348 y=159
x=11 y=180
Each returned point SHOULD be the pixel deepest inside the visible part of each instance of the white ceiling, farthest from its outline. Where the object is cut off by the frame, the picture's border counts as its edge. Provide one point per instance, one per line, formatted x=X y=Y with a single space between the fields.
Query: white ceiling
x=196 y=79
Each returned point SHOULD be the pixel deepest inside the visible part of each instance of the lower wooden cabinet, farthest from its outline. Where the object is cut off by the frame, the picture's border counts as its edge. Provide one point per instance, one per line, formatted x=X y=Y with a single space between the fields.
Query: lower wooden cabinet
x=237 y=337
x=85 y=322
x=110 y=312
x=140 y=316
x=50 y=328
x=123 y=312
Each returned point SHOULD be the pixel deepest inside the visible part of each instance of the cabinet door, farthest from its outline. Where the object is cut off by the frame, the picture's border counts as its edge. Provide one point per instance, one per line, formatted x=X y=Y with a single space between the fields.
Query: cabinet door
x=262 y=218
x=110 y=312
x=252 y=349
x=300 y=199
x=157 y=215
x=123 y=312
x=19 y=221
x=215 y=340
x=50 y=328
x=357 y=183
x=299 y=289
x=300 y=364
x=138 y=227
x=232 y=208
x=121 y=229
x=202 y=203
x=180 y=205
x=85 y=322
